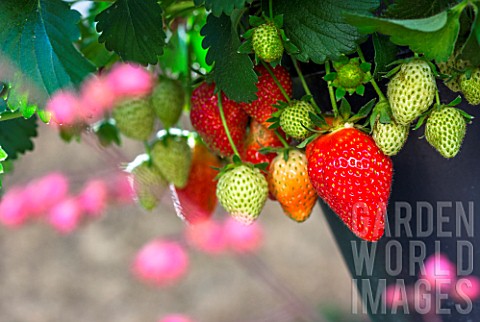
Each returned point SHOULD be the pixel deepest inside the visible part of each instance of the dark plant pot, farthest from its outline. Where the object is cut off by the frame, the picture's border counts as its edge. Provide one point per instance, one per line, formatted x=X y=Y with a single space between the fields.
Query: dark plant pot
x=426 y=190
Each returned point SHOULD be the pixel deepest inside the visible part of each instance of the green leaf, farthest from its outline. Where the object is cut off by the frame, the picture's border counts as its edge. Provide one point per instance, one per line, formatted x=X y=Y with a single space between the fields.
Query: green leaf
x=471 y=48
x=16 y=136
x=133 y=29
x=233 y=72
x=224 y=6
x=318 y=29
x=385 y=53
x=434 y=36
x=412 y=9
x=37 y=37
x=107 y=134
x=345 y=109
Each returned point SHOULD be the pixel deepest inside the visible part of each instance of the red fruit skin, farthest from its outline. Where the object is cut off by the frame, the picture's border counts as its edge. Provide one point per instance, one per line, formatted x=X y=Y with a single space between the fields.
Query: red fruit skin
x=205 y=118
x=259 y=137
x=352 y=175
x=268 y=94
x=198 y=199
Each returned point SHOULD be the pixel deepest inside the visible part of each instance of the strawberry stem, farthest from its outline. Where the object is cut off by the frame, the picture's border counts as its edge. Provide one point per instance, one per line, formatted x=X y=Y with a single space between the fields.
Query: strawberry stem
x=437 y=98
x=285 y=144
x=305 y=86
x=225 y=126
x=277 y=82
x=147 y=151
x=379 y=92
x=270 y=8
x=330 y=91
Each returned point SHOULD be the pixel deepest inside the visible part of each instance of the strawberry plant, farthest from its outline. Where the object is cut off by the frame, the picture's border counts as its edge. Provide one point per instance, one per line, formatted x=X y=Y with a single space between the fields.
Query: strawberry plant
x=235 y=100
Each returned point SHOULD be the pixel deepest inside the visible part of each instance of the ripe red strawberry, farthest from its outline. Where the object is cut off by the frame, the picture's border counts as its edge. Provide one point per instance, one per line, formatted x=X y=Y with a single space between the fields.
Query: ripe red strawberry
x=259 y=137
x=354 y=177
x=268 y=94
x=289 y=183
x=198 y=199
x=205 y=118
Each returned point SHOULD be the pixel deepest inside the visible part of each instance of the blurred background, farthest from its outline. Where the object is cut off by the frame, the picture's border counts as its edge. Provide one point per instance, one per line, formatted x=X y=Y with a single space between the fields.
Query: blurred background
x=297 y=274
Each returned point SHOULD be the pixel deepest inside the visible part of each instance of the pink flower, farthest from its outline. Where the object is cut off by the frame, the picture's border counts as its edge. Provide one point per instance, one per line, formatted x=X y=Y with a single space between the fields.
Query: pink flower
x=120 y=189
x=13 y=210
x=97 y=97
x=243 y=238
x=175 y=318
x=64 y=107
x=65 y=216
x=45 y=192
x=439 y=272
x=467 y=287
x=93 y=197
x=130 y=80
x=160 y=262
x=207 y=236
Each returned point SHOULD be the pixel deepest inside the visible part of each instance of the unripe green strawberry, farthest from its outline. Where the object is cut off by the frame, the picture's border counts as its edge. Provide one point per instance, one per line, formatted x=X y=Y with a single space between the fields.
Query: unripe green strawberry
x=452 y=67
x=168 y=99
x=148 y=185
x=390 y=137
x=471 y=87
x=411 y=91
x=445 y=130
x=173 y=157
x=295 y=119
x=243 y=191
x=267 y=43
x=134 y=118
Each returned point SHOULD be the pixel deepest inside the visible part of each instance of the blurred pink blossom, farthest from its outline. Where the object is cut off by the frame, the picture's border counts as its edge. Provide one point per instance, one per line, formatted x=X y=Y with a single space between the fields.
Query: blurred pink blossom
x=45 y=192
x=207 y=236
x=129 y=80
x=160 y=262
x=439 y=272
x=13 y=210
x=65 y=216
x=94 y=197
x=64 y=107
x=119 y=188
x=243 y=238
x=176 y=318
x=97 y=97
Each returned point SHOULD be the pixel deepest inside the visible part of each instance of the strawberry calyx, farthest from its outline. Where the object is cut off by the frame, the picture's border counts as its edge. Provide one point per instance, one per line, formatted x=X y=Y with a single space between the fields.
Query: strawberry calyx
x=349 y=77
x=237 y=162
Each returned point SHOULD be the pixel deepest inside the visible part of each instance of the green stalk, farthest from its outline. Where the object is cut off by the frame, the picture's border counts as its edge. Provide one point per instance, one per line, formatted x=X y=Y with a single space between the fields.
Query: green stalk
x=305 y=86
x=277 y=82
x=270 y=8
x=285 y=144
x=330 y=91
x=225 y=126
x=437 y=98
x=379 y=92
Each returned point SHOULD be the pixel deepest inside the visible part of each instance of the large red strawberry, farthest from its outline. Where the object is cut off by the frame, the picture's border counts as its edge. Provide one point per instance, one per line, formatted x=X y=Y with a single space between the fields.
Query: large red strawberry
x=268 y=94
x=198 y=199
x=354 y=177
x=205 y=118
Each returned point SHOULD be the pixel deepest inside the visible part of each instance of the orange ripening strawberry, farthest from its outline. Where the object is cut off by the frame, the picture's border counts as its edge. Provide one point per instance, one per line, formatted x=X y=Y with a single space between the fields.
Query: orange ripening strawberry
x=268 y=94
x=205 y=118
x=352 y=175
x=289 y=183
x=198 y=199
x=259 y=137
